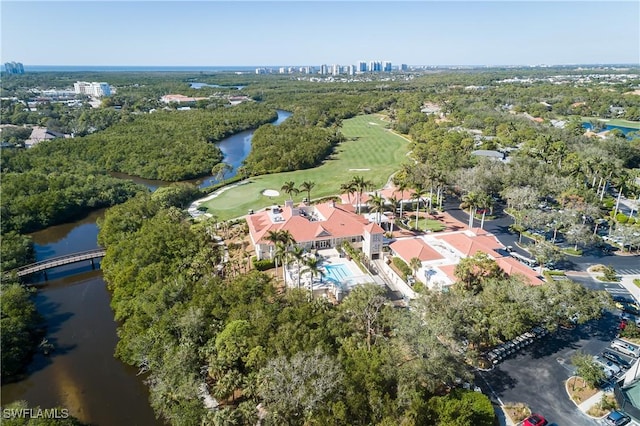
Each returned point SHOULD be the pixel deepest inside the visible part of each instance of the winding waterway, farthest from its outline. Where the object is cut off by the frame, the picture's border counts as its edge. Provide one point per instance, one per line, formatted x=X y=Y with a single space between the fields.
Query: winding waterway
x=234 y=148
x=82 y=374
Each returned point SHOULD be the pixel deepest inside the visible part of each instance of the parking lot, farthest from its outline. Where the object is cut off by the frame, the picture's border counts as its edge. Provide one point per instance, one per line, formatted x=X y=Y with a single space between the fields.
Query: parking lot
x=536 y=373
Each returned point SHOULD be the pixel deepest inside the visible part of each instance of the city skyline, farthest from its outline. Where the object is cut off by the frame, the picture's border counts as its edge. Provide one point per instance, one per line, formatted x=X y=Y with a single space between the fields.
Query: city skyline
x=298 y=33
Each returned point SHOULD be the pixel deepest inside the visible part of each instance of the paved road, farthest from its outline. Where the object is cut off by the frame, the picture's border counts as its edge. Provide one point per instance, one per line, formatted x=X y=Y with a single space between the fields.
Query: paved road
x=536 y=374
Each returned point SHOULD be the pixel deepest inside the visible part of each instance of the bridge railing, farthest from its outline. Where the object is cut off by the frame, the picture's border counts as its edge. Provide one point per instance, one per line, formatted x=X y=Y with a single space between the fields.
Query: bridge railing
x=60 y=260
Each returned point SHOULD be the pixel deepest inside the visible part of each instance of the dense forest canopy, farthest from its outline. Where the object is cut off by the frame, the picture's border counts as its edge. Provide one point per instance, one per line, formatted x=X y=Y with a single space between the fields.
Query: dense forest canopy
x=163 y=145
x=197 y=327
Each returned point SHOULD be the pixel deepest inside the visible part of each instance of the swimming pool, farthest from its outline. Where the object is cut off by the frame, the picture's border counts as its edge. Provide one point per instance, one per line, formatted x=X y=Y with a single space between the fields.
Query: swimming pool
x=338 y=273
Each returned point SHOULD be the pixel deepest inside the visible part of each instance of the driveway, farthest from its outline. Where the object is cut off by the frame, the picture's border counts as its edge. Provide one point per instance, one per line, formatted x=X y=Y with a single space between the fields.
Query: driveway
x=536 y=374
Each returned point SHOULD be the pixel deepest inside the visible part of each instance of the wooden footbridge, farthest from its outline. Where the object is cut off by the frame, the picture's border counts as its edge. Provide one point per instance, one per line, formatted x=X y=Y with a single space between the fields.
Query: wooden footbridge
x=54 y=262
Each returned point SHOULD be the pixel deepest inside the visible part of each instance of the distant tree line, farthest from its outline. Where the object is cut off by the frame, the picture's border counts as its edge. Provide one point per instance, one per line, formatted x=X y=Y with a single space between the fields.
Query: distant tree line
x=162 y=145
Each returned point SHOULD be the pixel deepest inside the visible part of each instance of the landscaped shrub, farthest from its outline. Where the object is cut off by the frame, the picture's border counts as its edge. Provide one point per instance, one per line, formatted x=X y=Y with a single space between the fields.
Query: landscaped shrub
x=609 y=274
x=402 y=267
x=262 y=265
x=630 y=331
x=621 y=218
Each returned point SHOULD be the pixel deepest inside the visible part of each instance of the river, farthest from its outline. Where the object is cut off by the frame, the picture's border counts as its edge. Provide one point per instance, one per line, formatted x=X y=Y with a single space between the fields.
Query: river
x=234 y=148
x=82 y=374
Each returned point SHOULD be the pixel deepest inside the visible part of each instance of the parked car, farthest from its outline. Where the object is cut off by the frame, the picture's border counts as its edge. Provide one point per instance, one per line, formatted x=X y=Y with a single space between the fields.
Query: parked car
x=628 y=308
x=492 y=357
x=609 y=367
x=535 y=420
x=540 y=331
x=612 y=356
x=625 y=348
x=623 y=299
x=616 y=418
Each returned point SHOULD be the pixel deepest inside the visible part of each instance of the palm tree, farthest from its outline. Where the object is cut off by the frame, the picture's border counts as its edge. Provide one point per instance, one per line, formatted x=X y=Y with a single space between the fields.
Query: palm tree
x=401 y=185
x=312 y=266
x=290 y=188
x=484 y=202
x=274 y=238
x=415 y=264
x=348 y=188
x=394 y=205
x=471 y=199
x=297 y=255
x=361 y=185
x=282 y=240
x=377 y=206
x=417 y=196
x=307 y=186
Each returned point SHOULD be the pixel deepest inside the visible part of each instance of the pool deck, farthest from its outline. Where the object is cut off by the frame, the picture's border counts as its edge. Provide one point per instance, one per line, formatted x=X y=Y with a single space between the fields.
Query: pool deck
x=329 y=257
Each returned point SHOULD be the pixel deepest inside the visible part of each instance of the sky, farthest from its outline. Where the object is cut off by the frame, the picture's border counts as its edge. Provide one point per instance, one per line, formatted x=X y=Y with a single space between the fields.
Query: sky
x=270 y=33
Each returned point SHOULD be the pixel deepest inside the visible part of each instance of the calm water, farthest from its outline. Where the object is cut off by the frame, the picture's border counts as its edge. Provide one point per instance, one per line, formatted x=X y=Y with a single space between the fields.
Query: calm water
x=234 y=148
x=201 y=85
x=82 y=373
x=624 y=130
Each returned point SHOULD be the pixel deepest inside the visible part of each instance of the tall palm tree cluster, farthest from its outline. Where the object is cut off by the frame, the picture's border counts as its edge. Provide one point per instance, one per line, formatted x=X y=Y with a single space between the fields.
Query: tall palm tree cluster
x=475 y=201
x=286 y=251
x=357 y=185
x=290 y=189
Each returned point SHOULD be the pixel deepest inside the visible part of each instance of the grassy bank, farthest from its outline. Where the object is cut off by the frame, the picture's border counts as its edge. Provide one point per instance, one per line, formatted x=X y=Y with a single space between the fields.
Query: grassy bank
x=370 y=151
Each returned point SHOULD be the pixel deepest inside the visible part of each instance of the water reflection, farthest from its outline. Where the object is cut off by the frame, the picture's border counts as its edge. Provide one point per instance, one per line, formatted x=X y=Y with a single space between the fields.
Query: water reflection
x=82 y=373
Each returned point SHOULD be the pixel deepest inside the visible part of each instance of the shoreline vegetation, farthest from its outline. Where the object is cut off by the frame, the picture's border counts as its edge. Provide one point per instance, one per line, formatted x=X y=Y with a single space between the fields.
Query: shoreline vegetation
x=196 y=325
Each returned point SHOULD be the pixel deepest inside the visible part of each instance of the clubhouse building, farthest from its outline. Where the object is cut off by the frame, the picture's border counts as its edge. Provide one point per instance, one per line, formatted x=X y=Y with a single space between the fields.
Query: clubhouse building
x=320 y=226
x=328 y=225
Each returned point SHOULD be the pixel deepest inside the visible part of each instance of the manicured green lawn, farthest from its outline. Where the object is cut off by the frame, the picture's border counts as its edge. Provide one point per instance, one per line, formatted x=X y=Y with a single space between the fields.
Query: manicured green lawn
x=425 y=224
x=375 y=154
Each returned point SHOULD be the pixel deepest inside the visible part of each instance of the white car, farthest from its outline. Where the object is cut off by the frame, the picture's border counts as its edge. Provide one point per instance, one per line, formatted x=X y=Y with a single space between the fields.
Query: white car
x=625 y=348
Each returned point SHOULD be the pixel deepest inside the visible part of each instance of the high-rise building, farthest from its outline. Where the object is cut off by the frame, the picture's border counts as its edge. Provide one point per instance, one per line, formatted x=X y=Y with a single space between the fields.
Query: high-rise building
x=335 y=69
x=351 y=70
x=324 y=70
x=362 y=66
x=386 y=66
x=92 y=89
x=404 y=67
x=14 y=68
x=375 y=66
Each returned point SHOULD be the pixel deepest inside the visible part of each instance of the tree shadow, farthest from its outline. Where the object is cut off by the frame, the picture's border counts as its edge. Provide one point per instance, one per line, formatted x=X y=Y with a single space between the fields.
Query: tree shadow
x=499 y=380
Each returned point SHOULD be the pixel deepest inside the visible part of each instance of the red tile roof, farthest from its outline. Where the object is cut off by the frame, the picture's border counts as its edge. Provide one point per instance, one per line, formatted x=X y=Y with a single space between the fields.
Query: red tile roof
x=335 y=222
x=469 y=246
x=414 y=247
x=448 y=271
x=512 y=266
